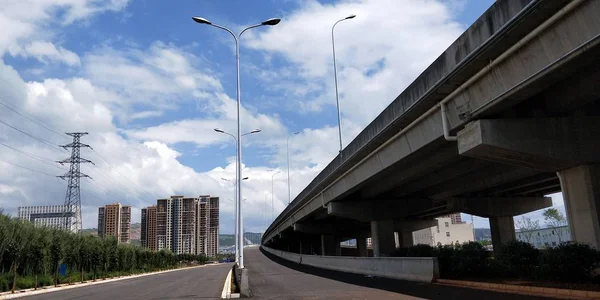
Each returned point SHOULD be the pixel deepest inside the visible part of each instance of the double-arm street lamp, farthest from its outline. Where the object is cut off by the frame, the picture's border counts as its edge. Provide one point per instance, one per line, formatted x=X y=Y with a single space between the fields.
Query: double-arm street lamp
x=337 y=99
x=269 y=22
x=235 y=202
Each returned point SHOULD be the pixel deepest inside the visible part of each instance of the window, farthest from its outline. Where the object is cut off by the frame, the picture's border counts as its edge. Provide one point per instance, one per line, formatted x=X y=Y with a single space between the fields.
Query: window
x=446 y=223
x=447 y=233
x=438 y=228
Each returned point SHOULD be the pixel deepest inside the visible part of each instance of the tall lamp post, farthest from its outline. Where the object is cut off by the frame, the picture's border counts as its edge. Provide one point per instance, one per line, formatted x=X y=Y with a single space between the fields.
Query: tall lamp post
x=337 y=99
x=287 y=145
x=269 y=22
x=238 y=173
x=234 y=214
x=273 y=195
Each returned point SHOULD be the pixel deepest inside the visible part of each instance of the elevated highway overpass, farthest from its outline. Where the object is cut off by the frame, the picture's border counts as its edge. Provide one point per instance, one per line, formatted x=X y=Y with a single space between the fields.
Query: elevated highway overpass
x=510 y=112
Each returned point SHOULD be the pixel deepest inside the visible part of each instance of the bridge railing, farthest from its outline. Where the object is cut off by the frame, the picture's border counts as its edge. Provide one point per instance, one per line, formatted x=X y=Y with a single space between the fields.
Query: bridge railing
x=422 y=269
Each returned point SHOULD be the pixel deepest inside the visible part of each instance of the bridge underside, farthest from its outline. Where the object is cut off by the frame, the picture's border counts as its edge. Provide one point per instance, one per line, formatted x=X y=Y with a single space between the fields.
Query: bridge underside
x=542 y=138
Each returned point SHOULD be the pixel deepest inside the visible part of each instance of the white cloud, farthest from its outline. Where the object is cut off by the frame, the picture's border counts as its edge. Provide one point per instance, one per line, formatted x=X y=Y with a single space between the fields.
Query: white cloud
x=26 y=20
x=47 y=52
x=378 y=53
x=161 y=76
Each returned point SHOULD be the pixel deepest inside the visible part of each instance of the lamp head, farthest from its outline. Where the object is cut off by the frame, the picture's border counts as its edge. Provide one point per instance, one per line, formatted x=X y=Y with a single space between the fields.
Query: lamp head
x=201 y=20
x=350 y=17
x=245 y=178
x=255 y=131
x=271 y=22
x=297 y=132
x=219 y=130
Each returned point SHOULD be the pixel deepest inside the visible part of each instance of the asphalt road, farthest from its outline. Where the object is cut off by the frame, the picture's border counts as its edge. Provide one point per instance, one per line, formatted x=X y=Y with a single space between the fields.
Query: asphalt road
x=197 y=283
x=273 y=278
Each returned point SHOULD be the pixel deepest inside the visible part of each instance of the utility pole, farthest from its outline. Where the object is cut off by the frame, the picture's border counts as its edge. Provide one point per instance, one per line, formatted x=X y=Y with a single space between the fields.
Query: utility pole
x=73 y=197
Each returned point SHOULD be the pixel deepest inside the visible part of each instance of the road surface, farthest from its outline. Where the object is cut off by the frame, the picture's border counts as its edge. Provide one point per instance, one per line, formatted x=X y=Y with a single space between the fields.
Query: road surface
x=197 y=283
x=273 y=278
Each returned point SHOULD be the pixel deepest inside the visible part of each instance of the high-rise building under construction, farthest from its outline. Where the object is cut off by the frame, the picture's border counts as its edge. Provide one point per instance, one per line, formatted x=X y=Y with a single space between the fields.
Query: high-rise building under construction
x=115 y=220
x=148 y=230
x=183 y=225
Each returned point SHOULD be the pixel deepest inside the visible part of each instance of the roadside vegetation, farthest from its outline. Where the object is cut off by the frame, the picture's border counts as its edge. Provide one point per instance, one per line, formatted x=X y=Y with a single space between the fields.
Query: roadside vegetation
x=567 y=262
x=32 y=257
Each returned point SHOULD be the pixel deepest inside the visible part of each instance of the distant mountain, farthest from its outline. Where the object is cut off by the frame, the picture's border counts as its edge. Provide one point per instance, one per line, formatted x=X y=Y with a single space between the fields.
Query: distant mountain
x=483 y=234
x=226 y=240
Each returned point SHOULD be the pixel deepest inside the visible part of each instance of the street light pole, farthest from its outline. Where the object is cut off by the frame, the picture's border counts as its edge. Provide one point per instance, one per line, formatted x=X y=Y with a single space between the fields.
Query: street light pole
x=287 y=145
x=273 y=196
x=269 y=22
x=235 y=205
x=337 y=99
x=234 y=214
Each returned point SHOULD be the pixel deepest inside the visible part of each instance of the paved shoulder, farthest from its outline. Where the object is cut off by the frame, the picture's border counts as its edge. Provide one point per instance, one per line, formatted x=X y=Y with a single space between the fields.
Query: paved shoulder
x=205 y=282
x=273 y=278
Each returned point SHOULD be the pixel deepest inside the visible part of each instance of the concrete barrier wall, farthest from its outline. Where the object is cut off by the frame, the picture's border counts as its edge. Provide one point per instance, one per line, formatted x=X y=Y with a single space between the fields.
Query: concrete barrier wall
x=422 y=269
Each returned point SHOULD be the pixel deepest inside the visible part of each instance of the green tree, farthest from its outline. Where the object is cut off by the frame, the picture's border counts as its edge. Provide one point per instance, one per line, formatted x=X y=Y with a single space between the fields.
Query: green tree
x=555 y=220
x=16 y=251
x=526 y=227
x=39 y=251
x=57 y=252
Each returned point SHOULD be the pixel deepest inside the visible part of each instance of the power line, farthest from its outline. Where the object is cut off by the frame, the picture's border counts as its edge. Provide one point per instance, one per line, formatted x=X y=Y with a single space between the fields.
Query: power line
x=26 y=168
x=45 y=142
x=125 y=177
x=32 y=120
x=123 y=189
x=33 y=156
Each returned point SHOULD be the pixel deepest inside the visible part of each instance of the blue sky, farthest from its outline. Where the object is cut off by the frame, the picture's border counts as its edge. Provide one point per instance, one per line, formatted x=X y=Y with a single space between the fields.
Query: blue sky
x=149 y=85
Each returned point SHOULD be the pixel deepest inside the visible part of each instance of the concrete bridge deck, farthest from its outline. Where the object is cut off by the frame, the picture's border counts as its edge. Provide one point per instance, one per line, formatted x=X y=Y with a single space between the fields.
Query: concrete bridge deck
x=273 y=278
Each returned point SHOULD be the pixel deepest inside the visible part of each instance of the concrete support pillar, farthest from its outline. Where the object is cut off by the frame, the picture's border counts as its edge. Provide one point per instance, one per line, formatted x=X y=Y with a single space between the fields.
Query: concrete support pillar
x=581 y=192
x=382 y=237
x=405 y=238
x=503 y=231
x=330 y=245
x=361 y=245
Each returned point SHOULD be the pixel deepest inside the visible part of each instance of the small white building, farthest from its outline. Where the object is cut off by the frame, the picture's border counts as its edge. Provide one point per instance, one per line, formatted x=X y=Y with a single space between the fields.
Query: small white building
x=545 y=237
x=450 y=229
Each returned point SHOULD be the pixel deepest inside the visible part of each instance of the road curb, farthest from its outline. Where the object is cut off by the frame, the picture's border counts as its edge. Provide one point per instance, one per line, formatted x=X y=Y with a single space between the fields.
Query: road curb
x=62 y=287
x=523 y=290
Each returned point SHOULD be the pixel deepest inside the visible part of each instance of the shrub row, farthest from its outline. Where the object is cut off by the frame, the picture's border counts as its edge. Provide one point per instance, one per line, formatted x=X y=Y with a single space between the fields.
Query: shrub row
x=569 y=262
x=31 y=256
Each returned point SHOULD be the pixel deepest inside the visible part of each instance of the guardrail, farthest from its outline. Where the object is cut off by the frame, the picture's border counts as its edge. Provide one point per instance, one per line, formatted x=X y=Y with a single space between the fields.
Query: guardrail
x=421 y=269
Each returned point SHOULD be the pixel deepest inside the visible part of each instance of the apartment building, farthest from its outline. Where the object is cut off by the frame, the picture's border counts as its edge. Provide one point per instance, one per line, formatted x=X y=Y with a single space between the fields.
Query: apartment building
x=115 y=220
x=186 y=225
x=53 y=216
x=450 y=229
x=148 y=230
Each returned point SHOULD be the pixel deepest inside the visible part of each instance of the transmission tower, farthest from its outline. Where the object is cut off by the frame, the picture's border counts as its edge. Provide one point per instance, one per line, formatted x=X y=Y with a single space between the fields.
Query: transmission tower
x=72 y=198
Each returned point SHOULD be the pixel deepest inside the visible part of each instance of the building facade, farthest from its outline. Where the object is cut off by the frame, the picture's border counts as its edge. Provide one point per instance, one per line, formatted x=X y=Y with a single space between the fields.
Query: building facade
x=115 y=220
x=545 y=237
x=148 y=230
x=53 y=216
x=450 y=229
x=188 y=225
